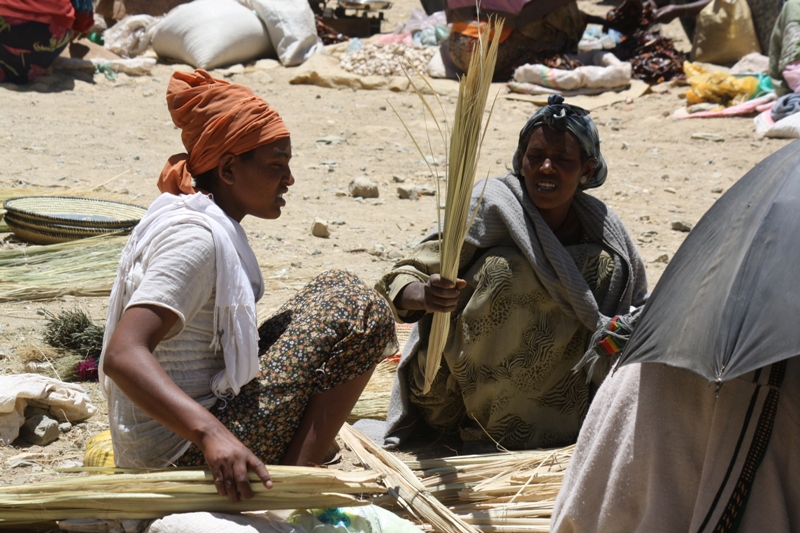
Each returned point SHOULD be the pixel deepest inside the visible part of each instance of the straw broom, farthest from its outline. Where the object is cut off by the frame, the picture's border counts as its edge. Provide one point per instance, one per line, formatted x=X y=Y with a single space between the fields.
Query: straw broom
x=465 y=144
x=157 y=494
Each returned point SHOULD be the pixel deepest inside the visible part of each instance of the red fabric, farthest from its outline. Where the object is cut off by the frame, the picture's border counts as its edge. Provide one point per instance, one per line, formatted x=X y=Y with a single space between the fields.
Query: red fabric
x=215 y=117
x=58 y=12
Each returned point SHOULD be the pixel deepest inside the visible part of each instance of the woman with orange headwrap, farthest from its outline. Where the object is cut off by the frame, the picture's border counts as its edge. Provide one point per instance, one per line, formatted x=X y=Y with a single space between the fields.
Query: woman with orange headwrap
x=188 y=375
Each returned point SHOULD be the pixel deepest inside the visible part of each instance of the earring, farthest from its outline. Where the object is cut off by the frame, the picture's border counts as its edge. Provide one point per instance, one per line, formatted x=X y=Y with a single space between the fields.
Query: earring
x=584 y=179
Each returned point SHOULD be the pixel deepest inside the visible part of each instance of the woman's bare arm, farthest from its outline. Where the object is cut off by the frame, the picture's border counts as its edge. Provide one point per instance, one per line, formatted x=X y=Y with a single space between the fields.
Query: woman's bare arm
x=130 y=363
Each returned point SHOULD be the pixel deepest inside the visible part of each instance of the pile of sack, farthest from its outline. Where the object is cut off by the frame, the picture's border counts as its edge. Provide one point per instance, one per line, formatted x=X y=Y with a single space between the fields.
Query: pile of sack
x=212 y=33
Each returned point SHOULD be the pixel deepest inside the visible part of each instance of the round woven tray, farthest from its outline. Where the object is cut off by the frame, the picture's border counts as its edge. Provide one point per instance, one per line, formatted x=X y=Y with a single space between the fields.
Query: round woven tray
x=74 y=212
x=44 y=233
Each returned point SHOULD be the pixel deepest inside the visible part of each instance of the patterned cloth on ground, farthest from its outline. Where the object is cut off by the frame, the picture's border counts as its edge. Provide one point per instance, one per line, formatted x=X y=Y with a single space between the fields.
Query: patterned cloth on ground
x=27 y=49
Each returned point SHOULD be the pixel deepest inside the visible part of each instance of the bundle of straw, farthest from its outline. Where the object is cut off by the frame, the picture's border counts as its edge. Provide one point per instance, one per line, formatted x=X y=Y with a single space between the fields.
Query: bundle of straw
x=403 y=485
x=465 y=144
x=86 y=267
x=157 y=494
x=511 y=492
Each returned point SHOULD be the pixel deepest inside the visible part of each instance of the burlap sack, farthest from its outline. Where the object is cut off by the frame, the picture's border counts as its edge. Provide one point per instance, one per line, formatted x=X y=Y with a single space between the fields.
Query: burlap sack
x=724 y=33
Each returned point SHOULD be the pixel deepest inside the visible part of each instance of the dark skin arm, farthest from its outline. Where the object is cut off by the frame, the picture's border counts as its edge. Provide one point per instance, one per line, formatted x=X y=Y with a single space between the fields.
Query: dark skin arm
x=671 y=12
x=130 y=363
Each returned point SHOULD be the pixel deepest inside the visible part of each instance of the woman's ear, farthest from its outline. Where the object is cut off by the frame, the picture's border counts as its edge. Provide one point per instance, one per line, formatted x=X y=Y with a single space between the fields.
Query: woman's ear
x=589 y=168
x=225 y=168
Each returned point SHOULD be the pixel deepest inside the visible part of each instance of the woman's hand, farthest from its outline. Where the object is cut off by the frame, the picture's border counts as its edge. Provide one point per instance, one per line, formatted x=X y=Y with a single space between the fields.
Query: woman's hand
x=436 y=295
x=229 y=461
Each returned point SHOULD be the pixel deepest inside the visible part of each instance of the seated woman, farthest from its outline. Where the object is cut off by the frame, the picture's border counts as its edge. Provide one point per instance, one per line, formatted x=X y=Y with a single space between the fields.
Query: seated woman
x=541 y=266
x=784 y=54
x=189 y=376
x=34 y=33
x=532 y=29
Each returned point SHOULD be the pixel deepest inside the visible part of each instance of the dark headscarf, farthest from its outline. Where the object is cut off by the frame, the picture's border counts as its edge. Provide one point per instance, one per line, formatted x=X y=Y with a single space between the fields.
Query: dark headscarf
x=559 y=116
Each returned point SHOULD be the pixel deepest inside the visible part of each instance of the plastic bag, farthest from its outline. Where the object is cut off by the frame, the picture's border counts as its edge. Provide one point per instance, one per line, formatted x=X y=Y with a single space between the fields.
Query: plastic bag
x=724 y=33
x=717 y=87
x=131 y=36
x=367 y=519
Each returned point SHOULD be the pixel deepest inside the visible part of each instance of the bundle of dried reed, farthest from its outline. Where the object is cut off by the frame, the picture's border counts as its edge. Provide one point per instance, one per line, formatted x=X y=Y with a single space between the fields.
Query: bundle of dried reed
x=511 y=492
x=86 y=267
x=464 y=152
x=156 y=494
x=403 y=485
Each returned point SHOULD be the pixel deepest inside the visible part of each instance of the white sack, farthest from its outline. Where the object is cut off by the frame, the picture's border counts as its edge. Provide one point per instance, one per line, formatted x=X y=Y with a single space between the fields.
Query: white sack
x=67 y=402
x=608 y=72
x=211 y=33
x=291 y=28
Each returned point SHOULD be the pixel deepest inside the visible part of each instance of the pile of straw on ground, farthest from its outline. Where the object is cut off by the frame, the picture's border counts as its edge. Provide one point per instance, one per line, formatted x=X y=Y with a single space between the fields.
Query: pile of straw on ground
x=86 y=267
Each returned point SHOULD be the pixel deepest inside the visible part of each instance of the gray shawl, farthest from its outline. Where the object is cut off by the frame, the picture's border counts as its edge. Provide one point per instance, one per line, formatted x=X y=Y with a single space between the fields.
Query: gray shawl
x=507 y=216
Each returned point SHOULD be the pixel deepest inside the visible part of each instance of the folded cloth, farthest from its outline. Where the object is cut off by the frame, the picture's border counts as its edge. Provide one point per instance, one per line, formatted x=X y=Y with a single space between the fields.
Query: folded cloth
x=67 y=402
x=786 y=105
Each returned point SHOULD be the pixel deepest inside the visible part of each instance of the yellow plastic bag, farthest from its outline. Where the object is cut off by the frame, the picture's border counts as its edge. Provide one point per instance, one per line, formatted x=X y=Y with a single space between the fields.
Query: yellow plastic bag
x=724 y=33
x=717 y=87
x=99 y=451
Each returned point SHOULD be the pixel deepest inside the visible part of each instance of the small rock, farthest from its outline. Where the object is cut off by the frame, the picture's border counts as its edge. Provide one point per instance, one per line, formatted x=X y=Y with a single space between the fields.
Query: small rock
x=266 y=64
x=315 y=252
x=362 y=187
x=338 y=222
x=232 y=70
x=670 y=190
x=717 y=190
x=39 y=430
x=398 y=179
x=625 y=145
x=426 y=190
x=665 y=177
x=663 y=258
x=297 y=264
x=320 y=228
x=377 y=250
x=341 y=193
x=394 y=254
x=65 y=427
x=331 y=139
x=680 y=225
x=709 y=137
x=408 y=193
x=644 y=218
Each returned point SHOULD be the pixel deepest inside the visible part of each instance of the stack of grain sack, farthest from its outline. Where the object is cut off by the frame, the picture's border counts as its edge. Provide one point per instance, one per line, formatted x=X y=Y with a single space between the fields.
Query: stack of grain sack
x=213 y=33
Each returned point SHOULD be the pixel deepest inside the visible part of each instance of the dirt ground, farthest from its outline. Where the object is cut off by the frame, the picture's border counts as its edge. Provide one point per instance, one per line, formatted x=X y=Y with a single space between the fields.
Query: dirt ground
x=68 y=132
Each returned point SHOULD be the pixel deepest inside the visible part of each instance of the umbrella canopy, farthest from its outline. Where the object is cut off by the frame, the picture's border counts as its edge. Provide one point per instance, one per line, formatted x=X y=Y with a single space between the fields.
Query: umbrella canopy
x=729 y=301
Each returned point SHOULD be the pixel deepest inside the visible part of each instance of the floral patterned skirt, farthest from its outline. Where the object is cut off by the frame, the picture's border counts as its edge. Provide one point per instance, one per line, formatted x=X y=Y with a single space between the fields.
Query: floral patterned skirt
x=27 y=49
x=333 y=330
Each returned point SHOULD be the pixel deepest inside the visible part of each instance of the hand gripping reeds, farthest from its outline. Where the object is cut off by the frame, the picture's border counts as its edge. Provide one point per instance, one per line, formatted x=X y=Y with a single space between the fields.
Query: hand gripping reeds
x=464 y=152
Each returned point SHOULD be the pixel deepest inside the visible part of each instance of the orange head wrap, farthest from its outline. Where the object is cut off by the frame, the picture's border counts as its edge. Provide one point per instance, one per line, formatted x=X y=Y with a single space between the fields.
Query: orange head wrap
x=216 y=117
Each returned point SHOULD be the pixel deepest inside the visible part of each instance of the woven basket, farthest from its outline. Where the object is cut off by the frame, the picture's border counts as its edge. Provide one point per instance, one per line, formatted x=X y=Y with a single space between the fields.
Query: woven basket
x=44 y=233
x=74 y=212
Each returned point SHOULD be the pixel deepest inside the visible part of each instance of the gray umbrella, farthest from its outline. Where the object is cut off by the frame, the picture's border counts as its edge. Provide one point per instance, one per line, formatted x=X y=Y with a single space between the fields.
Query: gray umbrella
x=729 y=301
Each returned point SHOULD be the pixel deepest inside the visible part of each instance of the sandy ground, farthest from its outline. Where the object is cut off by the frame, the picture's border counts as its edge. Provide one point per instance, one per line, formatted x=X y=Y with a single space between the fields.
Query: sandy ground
x=69 y=132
